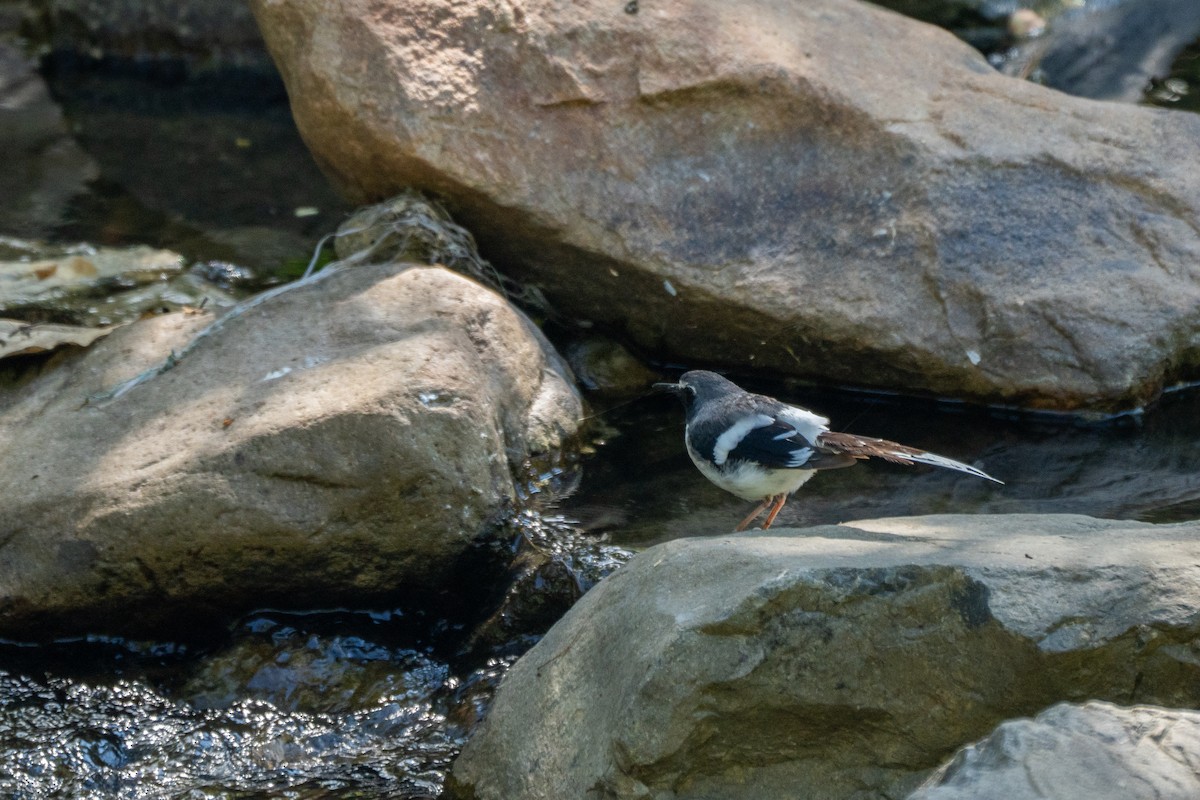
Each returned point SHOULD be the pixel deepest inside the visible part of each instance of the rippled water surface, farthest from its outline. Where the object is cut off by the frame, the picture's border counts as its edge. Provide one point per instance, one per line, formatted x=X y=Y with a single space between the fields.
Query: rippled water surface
x=286 y=709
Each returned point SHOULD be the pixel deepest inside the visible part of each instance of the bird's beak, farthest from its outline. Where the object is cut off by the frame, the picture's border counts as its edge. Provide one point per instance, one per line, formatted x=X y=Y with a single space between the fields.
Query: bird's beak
x=673 y=388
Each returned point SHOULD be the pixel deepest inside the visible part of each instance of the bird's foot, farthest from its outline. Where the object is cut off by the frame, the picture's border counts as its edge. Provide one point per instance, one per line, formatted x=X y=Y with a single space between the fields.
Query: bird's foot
x=760 y=508
x=775 y=509
x=774 y=503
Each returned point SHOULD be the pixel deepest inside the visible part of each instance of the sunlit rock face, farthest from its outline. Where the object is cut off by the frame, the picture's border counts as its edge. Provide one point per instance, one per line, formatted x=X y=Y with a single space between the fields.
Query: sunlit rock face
x=819 y=189
x=1096 y=750
x=350 y=437
x=838 y=662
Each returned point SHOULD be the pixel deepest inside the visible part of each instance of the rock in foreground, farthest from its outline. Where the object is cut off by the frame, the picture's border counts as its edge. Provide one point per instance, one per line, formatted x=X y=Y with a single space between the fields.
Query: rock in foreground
x=821 y=189
x=1098 y=751
x=837 y=662
x=345 y=439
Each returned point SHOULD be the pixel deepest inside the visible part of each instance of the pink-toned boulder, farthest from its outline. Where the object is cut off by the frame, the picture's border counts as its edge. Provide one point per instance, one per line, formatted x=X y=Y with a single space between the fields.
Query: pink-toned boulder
x=823 y=188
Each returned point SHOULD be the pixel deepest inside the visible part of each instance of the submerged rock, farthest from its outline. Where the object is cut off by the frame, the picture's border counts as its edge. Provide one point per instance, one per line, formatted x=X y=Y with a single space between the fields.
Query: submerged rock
x=605 y=367
x=124 y=738
x=821 y=189
x=1098 y=750
x=44 y=166
x=840 y=661
x=21 y=338
x=98 y=286
x=347 y=438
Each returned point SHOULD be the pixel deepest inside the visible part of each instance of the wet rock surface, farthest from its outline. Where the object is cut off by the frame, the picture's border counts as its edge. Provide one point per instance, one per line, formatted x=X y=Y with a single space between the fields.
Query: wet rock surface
x=946 y=230
x=840 y=662
x=1096 y=750
x=349 y=438
x=98 y=287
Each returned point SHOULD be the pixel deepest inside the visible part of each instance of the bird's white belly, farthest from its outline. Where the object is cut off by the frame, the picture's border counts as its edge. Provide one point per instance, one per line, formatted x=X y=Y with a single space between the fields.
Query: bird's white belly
x=749 y=481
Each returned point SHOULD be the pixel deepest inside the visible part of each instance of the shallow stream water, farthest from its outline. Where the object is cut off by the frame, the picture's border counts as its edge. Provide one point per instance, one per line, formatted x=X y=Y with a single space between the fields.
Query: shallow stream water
x=643 y=489
x=374 y=703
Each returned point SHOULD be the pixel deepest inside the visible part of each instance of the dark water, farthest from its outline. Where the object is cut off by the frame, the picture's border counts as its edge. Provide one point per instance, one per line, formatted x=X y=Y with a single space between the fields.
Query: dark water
x=376 y=703
x=642 y=488
x=207 y=164
x=1181 y=87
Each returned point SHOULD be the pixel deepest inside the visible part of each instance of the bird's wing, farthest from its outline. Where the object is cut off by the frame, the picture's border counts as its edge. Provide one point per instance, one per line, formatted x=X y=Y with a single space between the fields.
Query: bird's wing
x=779 y=444
x=866 y=447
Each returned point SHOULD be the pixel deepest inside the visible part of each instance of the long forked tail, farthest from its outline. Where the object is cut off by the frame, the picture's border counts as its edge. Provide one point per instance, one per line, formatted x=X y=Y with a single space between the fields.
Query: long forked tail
x=866 y=447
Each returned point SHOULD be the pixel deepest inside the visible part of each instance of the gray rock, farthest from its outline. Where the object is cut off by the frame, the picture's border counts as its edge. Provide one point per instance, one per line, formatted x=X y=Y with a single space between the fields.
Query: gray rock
x=98 y=286
x=604 y=366
x=838 y=661
x=820 y=189
x=1098 y=750
x=346 y=439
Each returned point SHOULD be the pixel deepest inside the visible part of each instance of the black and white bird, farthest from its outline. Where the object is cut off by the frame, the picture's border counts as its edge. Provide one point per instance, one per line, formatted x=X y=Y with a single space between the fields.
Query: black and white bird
x=760 y=449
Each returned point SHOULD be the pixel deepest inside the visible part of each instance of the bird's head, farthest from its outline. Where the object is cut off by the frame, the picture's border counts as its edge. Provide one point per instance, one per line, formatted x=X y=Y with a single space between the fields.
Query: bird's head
x=698 y=385
x=685 y=393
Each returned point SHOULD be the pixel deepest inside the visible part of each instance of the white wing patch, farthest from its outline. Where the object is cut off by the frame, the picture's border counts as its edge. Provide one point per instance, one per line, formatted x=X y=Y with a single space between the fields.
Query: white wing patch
x=800 y=457
x=808 y=424
x=731 y=438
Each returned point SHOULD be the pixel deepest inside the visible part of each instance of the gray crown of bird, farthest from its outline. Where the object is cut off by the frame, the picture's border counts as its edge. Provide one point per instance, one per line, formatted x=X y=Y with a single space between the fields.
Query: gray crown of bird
x=763 y=450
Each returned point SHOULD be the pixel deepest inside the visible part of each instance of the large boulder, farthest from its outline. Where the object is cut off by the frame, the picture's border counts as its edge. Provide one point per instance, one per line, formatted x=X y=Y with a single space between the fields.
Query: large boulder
x=823 y=189
x=346 y=439
x=837 y=662
x=1097 y=750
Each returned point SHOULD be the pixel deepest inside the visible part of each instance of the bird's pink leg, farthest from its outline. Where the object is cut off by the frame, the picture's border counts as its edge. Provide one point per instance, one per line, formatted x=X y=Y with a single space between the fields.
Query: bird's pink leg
x=761 y=507
x=775 y=509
